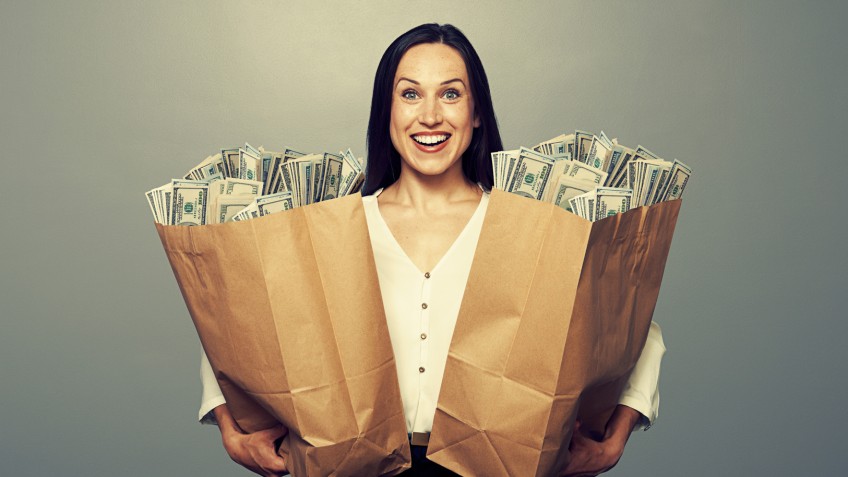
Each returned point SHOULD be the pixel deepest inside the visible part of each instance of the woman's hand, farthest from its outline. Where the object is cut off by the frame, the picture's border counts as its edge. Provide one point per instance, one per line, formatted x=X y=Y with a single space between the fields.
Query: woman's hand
x=590 y=457
x=255 y=451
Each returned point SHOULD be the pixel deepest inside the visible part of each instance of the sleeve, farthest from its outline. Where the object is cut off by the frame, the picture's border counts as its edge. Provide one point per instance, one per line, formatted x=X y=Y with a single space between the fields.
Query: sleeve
x=211 y=396
x=641 y=392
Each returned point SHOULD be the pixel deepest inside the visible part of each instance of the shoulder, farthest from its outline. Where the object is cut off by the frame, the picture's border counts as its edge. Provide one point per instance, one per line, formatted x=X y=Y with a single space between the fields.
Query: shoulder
x=368 y=199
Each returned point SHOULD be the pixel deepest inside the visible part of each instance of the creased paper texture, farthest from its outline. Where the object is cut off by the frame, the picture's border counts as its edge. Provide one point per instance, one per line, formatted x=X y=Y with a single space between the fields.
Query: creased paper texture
x=554 y=316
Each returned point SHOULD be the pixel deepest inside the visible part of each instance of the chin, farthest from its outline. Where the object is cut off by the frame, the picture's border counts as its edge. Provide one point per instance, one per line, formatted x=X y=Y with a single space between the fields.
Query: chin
x=431 y=167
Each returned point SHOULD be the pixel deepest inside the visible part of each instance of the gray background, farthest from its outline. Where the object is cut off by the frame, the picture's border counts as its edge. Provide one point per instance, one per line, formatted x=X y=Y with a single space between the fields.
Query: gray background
x=102 y=101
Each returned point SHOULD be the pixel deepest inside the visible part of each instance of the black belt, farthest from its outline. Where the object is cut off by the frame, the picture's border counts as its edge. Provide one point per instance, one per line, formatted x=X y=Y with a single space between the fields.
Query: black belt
x=419 y=438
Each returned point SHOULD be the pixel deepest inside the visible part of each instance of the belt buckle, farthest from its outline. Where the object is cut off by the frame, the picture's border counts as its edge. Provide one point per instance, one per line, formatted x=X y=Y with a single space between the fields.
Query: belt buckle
x=420 y=438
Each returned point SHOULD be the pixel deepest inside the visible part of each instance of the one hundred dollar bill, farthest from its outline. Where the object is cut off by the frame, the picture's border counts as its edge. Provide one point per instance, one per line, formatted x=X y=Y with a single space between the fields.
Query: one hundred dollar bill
x=210 y=168
x=568 y=187
x=249 y=212
x=231 y=186
x=331 y=172
x=610 y=201
x=270 y=204
x=582 y=143
x=581 y=171
x=617 y=174
x=678 y=178
x=599 y=152
x=189 y=202
x=531 y=174
x=351 y=173
x=227 y=206
x=556 y=147
x=249 y=165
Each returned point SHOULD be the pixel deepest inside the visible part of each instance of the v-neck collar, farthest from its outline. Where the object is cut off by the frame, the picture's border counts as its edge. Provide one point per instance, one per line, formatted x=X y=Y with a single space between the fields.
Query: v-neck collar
x=475 y=218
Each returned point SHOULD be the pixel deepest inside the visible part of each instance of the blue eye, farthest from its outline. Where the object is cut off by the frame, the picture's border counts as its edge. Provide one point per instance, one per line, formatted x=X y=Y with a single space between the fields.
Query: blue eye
x=451 y=94
x=409 y=94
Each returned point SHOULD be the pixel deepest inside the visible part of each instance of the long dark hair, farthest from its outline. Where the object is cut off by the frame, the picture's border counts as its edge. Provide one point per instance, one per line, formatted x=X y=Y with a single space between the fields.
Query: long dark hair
x=383 y=166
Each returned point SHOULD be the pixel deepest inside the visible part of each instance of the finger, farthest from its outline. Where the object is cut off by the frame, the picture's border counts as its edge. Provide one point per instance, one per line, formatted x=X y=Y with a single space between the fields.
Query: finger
x=275 y=467
x=270 y=461
x=264 y=456
x=578 y=441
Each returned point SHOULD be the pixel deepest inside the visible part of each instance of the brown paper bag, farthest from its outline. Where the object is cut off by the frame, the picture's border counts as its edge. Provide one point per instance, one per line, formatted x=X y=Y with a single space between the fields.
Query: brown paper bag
x=555 y=314
x=289 y=312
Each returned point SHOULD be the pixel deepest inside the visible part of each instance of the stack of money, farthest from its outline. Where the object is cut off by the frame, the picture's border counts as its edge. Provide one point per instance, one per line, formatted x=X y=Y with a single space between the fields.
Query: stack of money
x=243 y=183
x=590 y=175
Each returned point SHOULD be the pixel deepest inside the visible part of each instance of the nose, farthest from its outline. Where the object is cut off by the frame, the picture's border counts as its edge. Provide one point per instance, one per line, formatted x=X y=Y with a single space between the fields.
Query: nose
x=431 y=112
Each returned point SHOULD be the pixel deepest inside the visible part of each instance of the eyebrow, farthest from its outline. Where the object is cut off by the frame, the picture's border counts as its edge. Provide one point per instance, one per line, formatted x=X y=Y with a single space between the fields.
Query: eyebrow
x=402 y=78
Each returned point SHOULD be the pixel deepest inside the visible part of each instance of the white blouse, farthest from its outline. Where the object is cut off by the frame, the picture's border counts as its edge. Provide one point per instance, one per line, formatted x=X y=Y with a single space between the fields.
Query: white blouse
x=421 y=310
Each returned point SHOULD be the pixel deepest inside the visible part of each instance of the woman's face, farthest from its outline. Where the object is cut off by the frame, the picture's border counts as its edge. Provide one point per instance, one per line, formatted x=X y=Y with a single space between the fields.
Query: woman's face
x=433 y=114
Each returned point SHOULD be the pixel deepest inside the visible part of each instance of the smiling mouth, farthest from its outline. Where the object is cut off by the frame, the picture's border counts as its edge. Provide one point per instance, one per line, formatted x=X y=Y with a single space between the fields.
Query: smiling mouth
x=430 y=140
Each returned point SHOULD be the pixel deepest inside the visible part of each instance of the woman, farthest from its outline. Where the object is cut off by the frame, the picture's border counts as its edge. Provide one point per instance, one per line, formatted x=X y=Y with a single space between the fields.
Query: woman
x=425 y=196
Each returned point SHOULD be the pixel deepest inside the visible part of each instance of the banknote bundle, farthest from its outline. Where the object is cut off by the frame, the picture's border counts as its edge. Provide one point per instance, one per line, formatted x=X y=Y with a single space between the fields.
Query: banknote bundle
x=590 y=175
x=246 y=182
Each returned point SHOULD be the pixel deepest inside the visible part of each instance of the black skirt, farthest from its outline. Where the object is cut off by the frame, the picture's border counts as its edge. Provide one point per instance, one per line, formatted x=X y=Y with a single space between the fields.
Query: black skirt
x=424 y=467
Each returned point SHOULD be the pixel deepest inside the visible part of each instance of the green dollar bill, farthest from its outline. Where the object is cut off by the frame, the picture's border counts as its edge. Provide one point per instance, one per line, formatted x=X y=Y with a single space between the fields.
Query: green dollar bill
x=568 y=187
x=270 y=204
x=531 y=174
x=189 y=202
x=610 y=201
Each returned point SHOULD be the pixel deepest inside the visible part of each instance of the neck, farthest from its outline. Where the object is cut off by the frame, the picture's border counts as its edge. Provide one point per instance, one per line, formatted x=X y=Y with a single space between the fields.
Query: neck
x=426 y=192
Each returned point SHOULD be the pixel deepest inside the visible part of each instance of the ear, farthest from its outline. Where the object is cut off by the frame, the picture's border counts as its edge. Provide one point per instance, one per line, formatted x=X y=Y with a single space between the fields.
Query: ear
x=476 y=121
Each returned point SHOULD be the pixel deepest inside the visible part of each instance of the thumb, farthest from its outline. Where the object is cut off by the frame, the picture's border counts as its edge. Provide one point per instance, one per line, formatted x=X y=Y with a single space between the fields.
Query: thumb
x=280 y=431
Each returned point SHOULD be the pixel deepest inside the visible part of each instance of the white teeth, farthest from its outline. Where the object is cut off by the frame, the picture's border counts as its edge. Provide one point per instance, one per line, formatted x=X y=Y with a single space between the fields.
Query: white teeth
x=430 y=139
